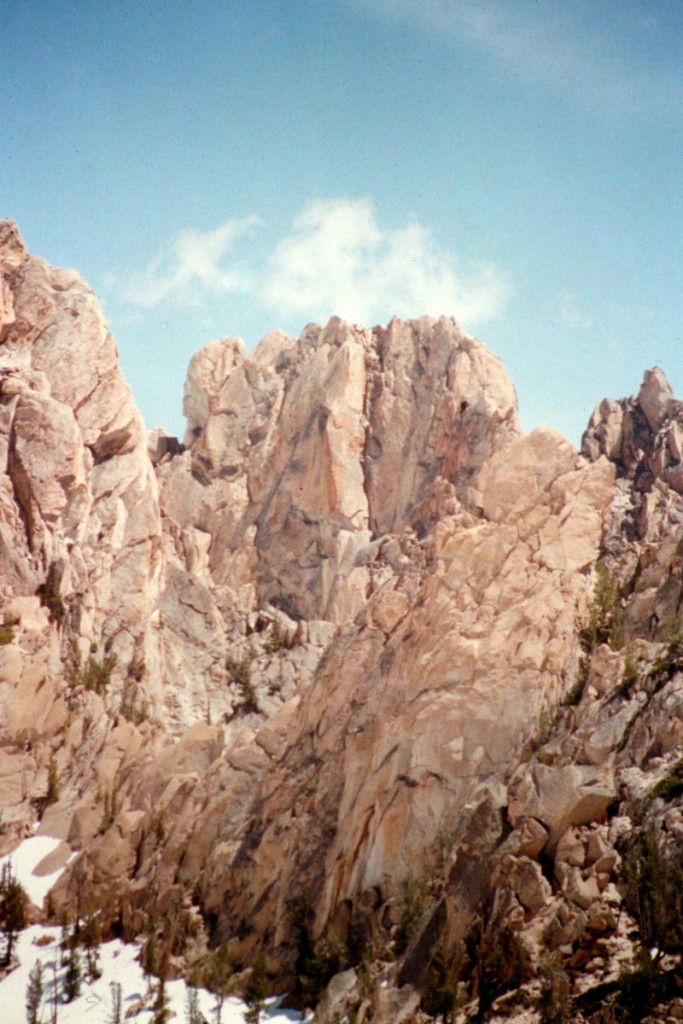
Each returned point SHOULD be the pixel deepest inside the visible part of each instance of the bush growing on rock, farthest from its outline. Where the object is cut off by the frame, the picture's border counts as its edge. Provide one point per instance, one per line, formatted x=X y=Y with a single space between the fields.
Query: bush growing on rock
x=606 y=618
x=49 y=592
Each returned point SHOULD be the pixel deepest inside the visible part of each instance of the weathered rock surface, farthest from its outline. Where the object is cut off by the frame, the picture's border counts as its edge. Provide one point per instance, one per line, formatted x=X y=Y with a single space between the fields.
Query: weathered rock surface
x=317 y=674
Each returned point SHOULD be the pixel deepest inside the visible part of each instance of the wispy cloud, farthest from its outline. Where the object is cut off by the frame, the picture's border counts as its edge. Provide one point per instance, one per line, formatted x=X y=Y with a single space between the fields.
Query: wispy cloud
x=190 y=268
x=336 y=259
x=548 y=43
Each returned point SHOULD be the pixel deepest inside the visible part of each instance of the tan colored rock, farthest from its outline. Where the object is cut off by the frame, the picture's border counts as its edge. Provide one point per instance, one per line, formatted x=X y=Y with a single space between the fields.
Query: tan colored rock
x=371 y=585
x=527 y=839
x=531 y=888
x=583 y=891
x=571 y=849
x=561 y=796
x=655 y=397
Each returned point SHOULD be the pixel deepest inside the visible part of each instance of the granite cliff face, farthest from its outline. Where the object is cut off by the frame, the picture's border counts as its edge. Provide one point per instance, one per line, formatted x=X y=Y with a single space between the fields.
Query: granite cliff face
x=338 y=673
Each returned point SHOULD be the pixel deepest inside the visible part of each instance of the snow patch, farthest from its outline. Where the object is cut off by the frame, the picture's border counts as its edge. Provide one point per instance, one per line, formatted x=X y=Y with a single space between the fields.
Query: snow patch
x=26 y=858
x=118 y=962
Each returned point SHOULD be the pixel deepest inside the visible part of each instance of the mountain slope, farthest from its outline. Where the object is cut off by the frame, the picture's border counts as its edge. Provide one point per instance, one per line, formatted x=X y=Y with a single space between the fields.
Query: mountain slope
x=339 y=671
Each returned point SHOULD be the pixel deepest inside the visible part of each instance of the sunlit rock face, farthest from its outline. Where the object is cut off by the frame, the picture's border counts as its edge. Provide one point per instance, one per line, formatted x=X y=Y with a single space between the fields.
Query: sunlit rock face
x=303 y=454
x=78 y=490
x=331 y=642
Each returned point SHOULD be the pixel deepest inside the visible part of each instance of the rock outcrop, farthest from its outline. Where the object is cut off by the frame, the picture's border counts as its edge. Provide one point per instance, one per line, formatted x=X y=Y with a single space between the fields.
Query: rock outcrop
x=339 y=674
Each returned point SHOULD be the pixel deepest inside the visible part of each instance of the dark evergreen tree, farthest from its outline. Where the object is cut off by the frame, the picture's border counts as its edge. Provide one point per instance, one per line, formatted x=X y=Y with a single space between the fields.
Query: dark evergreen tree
x=13 y=903
x=256 y=991
x=220 y=976
x=116 y=1008
x=74 y=973
x=92 y=939
x=34 y=993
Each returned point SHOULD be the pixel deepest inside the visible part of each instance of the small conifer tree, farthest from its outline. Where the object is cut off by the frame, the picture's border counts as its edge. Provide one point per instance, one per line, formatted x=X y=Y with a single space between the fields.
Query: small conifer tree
x=220 y=977
x=13 y=903
x=256 y=991
x=52 y=795
x=74 y=973
x=34 y=993
x=192 y=1012
x=115 y=1014
x=92 y=939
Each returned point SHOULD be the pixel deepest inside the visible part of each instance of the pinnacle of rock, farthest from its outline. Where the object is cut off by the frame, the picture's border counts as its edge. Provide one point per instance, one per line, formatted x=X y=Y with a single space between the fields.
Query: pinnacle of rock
x=351 y=626
x=655 y=397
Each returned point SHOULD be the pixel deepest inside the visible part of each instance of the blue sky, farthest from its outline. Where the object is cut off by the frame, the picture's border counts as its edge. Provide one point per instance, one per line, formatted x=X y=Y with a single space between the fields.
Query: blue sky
x=219 y=169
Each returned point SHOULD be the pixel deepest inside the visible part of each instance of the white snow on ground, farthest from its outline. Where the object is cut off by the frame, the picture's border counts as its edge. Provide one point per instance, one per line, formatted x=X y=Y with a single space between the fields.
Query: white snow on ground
x=118 y=962
x=26 y=858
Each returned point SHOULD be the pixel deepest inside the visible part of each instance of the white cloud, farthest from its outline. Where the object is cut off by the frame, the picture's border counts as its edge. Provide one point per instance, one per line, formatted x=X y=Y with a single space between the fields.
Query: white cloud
x=190 y=268
x=338 y=260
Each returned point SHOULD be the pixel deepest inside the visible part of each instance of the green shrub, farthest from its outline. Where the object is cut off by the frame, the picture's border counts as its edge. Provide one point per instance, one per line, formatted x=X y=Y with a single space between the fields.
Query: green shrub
x=6 y=635
x=52 y=795
x=133 y=707
x=655 y=894
x=240 y=674
x=414 y=900
x=13 y=909
x=277 y=640
x=671 y=661
x=256 y=991
x=606 y=618
x=640 y=988
x=316 y=961
x=670 y=786
x=94 y=675
x=440 y=990
x=554 y=1001
x=575 y=692
x=49 y=592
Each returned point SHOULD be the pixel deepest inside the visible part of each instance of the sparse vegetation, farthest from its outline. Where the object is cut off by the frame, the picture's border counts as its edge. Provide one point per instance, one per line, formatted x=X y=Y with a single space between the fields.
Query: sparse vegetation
x=640 y=988
x=34 y=993
x=277 y=640
x=133 y=707
x=414 y=900
x=220 y=979
x=74 y=971
x=574 y=694
x=49 y=592
x=554 y=1001
x=116 y=1012
x=110 y=807
x=240 y=674
x=52 y=795
x=671 y=661
x=606 y=618
x=503 y=963
x=440 y=991
x=655 y=898
x=671 y=785
x=316 y=962
x=6 y=635
x=93 y=675
x=256 y=991
x=13 y=907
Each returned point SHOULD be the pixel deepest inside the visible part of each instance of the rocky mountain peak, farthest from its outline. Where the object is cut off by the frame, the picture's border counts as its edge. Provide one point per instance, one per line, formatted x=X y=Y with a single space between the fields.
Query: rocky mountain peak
x=643 y=436
x=359 y=673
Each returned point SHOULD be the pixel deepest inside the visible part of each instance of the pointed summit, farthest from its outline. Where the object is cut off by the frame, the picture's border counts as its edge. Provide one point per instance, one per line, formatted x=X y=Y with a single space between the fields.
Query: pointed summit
x=654 y=397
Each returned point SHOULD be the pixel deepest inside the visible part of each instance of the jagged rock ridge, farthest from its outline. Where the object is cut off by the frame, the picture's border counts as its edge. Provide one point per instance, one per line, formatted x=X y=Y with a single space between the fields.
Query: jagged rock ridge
x=323 y=646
